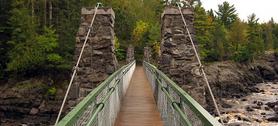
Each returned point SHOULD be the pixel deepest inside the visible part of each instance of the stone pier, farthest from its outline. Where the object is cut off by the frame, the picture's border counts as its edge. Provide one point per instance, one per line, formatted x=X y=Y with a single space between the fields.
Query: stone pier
x=147 y=54
x=177 y=56
x=98 y=60
x=130 y=54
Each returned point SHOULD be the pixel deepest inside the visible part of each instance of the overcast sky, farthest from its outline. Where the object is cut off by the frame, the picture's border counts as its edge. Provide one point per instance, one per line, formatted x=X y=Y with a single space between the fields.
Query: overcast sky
x=264 y=9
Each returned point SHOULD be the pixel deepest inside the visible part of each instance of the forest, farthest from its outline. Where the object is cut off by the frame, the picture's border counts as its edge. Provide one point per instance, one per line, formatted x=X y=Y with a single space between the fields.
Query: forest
x=37 y=37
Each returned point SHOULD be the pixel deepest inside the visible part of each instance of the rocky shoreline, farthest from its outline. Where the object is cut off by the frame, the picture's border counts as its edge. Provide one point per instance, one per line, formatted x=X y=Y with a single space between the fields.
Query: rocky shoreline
x=29 y=103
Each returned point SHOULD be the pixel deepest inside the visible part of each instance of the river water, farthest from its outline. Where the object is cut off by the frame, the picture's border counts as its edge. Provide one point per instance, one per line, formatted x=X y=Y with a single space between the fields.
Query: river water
x=256 y=109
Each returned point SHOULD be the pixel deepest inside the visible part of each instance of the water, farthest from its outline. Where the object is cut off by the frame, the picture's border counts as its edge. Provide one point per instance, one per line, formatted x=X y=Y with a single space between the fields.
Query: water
x=253 y=109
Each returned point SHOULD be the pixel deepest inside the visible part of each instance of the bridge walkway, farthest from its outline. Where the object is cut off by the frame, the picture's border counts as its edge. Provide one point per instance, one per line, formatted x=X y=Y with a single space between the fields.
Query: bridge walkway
x=138 y=107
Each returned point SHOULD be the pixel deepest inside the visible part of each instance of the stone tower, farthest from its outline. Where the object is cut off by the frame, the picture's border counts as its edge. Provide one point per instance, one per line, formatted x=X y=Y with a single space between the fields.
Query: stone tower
x=177 y=55
x=98 y=60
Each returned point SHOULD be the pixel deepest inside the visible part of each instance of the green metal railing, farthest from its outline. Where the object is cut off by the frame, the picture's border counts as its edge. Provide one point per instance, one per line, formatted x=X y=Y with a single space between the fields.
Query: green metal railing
x=101 y=106
x=177 y=108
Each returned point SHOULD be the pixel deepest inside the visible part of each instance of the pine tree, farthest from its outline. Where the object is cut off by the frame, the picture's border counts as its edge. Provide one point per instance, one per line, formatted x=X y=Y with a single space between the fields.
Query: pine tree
x=32 y=49
x=268 y=36
x=275 y=38
x=255 y=42
x=203 y=28
x=220 y=40
x=226 y=14
x=5 y=35
x=238 y=41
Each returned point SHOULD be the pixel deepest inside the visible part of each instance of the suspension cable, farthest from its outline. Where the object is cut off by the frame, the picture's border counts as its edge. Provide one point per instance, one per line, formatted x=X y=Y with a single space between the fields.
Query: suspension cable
x=200 y=63
x=77 y=64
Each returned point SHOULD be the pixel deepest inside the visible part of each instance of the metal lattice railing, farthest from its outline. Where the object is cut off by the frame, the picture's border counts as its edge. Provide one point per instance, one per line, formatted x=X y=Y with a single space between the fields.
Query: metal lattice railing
x=101 y=106
x=176 y=107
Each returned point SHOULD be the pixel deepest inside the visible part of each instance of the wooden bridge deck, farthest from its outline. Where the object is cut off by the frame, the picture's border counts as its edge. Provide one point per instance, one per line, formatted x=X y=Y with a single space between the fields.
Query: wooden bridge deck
x=138 y=107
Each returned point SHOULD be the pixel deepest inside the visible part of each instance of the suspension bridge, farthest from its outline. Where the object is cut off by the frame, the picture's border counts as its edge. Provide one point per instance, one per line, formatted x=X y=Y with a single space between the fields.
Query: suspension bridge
x=136 y=95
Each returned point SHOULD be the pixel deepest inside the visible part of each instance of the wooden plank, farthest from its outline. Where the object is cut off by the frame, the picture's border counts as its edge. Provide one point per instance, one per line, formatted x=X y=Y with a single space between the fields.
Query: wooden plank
x=138 y=107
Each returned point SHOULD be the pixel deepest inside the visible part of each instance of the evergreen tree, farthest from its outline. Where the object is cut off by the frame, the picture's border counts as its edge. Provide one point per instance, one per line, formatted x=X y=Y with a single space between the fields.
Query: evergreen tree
x=203 y=28
x=5 y=35
x=255 y=42
x=275 y=38
x=226 y=14
x=268 y=36
x=220 y=39
x=32 y=51
x=238 y=41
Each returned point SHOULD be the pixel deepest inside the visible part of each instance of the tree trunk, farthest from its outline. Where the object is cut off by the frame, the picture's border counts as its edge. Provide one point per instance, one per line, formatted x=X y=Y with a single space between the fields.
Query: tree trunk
x=33 y=11
x=50 y=12
x=45 y=11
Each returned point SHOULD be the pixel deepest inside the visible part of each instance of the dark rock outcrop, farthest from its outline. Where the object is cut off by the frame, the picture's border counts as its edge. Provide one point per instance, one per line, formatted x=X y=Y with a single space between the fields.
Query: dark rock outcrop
x=232 y=80
x=29 y=103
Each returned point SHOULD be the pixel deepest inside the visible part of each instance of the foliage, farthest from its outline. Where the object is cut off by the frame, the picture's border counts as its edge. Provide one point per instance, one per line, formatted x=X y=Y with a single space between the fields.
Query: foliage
x=225 y=37
x=35 y=53
x=221 y=44
x=51 y=91
x=255 y=42
x=275 y=38
x=237 y=39
x=37 y=39
x=139 y=31
x=226 y=14
x=120 y=53
x=203 y=28
x=5 y=35
x=241 y=54
x=267 y=34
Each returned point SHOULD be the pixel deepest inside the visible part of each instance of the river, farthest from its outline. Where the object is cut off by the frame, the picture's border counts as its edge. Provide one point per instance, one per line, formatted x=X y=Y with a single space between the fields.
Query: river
x=260 y=108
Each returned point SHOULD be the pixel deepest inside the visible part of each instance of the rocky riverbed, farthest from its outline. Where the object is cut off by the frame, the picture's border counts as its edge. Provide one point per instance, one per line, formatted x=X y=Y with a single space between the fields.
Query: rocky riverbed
x=260 y=108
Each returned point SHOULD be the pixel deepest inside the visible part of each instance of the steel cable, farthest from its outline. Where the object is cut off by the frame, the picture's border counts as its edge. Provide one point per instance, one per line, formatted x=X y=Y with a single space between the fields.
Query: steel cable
x=200 y=64
x=77 y=64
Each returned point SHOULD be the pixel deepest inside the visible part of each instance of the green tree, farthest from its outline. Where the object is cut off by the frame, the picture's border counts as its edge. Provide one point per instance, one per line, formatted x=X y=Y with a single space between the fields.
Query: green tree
x=35 y=54
x=220 y=39
x=5 y=35
x=275 y=38
x=268 y=35
x=139 y=33
x=255 y=42
x=226 y=14
x=203 y=28
x=238 y=40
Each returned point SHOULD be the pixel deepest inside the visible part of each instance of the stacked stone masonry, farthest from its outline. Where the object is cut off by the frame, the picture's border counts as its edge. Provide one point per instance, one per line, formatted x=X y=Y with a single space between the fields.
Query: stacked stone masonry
x=130 y=54
x=98 y=60
x=147 y=54
x=177 y=58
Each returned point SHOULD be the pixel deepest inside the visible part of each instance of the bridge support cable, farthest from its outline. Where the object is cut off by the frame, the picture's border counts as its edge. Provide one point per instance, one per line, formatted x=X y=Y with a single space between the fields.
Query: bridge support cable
x=200 y=63
x=77 y=64
x=176 y=107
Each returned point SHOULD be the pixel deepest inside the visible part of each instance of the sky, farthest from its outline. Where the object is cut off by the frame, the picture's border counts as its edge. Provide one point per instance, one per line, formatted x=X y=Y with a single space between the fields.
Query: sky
x=264 y=9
